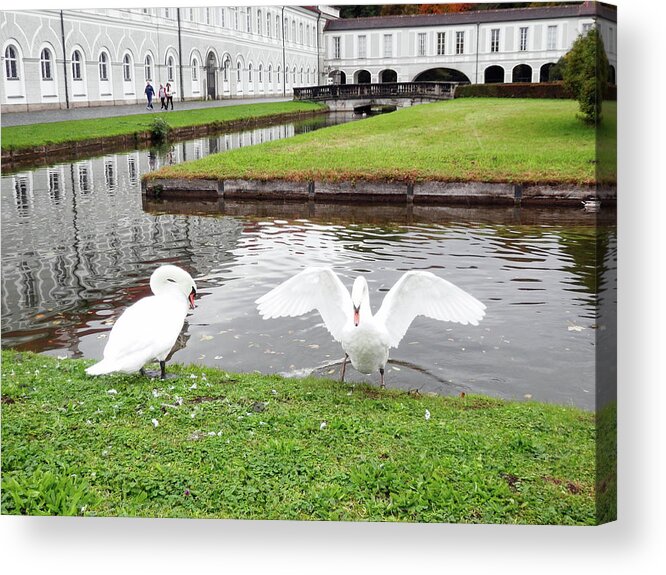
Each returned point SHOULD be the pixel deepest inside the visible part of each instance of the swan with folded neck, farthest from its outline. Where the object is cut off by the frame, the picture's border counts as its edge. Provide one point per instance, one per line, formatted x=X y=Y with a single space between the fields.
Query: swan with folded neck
x=366 y=338
x=148 y=329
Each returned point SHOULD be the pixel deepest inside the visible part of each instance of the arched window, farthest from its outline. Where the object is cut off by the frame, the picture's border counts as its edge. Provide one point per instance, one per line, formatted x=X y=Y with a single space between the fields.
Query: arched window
x=103 y=66
x=278 y=74
x=301 y=75
x=268 y=24
x=259 y=22
x=248 y=19
x=270 y=73
x=300 y=33
x=11 y=63
x=238 y=72
x=293 y=75
x=127 y=68
x=170 y=69
x=249 y=72
x=46 y=59
x=259 y=74
x=76 y=65
x=293 y=31
x=148 y=65
x=195 y=70
x=277 y=27
x=286 y=29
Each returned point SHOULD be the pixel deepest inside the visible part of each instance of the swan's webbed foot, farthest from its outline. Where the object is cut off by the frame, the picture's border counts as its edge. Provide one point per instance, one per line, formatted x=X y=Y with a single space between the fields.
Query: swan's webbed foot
x=344 y=367
x=381 y=378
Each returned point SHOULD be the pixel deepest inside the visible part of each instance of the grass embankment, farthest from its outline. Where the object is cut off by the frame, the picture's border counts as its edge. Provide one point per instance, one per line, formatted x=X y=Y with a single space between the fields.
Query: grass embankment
x=489 y=140
x=34 y=135
x=255 y=446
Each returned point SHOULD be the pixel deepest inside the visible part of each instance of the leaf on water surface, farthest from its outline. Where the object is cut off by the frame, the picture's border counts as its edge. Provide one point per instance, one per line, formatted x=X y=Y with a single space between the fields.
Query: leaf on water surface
x=205 y=337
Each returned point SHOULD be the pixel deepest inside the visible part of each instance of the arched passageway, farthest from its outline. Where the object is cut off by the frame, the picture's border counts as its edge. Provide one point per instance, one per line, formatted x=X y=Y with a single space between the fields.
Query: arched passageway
x=611 y=74
x=493 y=75
x=362 y=77
x=544 y=72
x=386 y=76
x=522 y=73
x=337 y=77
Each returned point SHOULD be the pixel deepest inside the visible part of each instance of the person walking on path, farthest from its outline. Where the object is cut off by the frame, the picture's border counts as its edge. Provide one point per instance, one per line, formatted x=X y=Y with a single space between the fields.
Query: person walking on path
x=162 y=95
x=150 y=92
x=169 y=96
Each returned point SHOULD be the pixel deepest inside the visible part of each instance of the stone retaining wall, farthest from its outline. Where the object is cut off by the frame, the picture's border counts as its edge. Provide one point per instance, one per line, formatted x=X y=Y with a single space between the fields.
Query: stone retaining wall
x=435 y=192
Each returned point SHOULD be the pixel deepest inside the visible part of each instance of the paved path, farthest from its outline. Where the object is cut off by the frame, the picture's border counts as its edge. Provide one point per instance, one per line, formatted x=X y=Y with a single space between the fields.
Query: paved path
x=24 y=118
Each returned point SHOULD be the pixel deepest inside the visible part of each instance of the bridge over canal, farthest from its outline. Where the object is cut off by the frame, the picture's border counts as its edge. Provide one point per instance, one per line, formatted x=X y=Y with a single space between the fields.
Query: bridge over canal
x=363 y=97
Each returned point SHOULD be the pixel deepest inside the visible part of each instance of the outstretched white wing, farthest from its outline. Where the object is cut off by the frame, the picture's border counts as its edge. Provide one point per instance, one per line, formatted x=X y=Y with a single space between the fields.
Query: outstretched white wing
x=314 y=288
x=423 y=293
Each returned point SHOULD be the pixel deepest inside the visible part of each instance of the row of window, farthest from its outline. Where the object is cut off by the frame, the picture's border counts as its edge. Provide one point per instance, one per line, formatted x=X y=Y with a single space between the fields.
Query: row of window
x=306 y=75
x=46 y=65
x=270 y=25
x=12 y=68
x=459 y=44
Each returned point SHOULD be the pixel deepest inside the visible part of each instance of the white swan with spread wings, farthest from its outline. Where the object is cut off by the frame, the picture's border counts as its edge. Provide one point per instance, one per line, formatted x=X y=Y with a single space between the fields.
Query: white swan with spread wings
x=366 y=338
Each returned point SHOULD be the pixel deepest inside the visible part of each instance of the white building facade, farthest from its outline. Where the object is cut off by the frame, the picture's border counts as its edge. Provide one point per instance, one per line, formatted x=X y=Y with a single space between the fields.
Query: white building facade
x=509 y=45
x=97 y=57
x=70 y=58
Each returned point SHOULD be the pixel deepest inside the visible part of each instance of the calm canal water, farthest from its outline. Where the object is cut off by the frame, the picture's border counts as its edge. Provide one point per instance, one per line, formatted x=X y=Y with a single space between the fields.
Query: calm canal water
x=78 y=246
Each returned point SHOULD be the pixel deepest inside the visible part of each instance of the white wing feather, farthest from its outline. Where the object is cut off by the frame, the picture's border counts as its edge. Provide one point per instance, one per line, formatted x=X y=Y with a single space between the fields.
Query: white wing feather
x=314 y=288
x=423 y=293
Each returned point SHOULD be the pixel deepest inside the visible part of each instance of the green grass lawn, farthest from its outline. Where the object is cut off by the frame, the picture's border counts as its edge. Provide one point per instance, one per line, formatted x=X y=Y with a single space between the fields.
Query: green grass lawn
x=491 y=140
x=17 y=137
x=264 y=447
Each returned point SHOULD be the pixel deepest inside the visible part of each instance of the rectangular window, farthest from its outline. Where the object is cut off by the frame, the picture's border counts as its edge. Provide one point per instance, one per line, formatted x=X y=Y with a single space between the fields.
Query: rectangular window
x=494 y=40
x=362 y=47
x=587 y=27
x=460 y=42
x=388 y=45
x=421 y=44
x=336 y=47
x=551 y=42
x=208 y=16
x=441 y=43
x=248 y=20
x=523 y=39
x=166 y=12
x=222 y=17
x=611 y=40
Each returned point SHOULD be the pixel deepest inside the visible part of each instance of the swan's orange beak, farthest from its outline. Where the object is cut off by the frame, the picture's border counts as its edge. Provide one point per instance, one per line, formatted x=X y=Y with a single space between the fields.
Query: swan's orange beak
x=191 y=298
x=356 y=316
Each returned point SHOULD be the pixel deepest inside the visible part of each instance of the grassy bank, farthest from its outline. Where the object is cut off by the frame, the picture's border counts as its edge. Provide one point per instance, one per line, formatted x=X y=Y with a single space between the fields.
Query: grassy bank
x=213 y=444
x=19 y=137
x=491 y=140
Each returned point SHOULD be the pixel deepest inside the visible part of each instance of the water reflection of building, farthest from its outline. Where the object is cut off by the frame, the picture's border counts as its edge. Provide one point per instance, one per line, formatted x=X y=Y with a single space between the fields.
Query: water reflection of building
x=75 y=241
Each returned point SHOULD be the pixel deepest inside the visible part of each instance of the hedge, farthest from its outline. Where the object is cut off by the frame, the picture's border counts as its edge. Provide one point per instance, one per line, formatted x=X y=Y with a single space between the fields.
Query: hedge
x=521 y=90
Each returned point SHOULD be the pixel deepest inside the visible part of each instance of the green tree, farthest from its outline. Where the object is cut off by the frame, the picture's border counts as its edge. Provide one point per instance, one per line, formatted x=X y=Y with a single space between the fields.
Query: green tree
x=585 y=74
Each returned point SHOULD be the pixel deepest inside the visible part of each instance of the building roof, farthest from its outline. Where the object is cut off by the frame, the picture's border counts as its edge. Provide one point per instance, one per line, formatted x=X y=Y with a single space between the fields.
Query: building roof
x=590 y=9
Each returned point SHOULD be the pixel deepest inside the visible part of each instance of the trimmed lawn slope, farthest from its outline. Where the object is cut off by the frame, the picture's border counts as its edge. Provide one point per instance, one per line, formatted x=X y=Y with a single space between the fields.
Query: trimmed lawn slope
x=19 y=137
x=215 y=444
x=489 y=140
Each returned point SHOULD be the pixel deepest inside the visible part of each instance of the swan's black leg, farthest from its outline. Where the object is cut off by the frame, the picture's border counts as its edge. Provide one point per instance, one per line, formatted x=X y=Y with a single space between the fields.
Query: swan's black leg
x=381 y=378
x=344 y=366
x=162 y=369
x=142 y=372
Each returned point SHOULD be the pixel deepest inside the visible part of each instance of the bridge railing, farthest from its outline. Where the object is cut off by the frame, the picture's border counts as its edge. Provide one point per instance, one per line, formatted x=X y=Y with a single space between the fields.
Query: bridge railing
x=432 y=90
